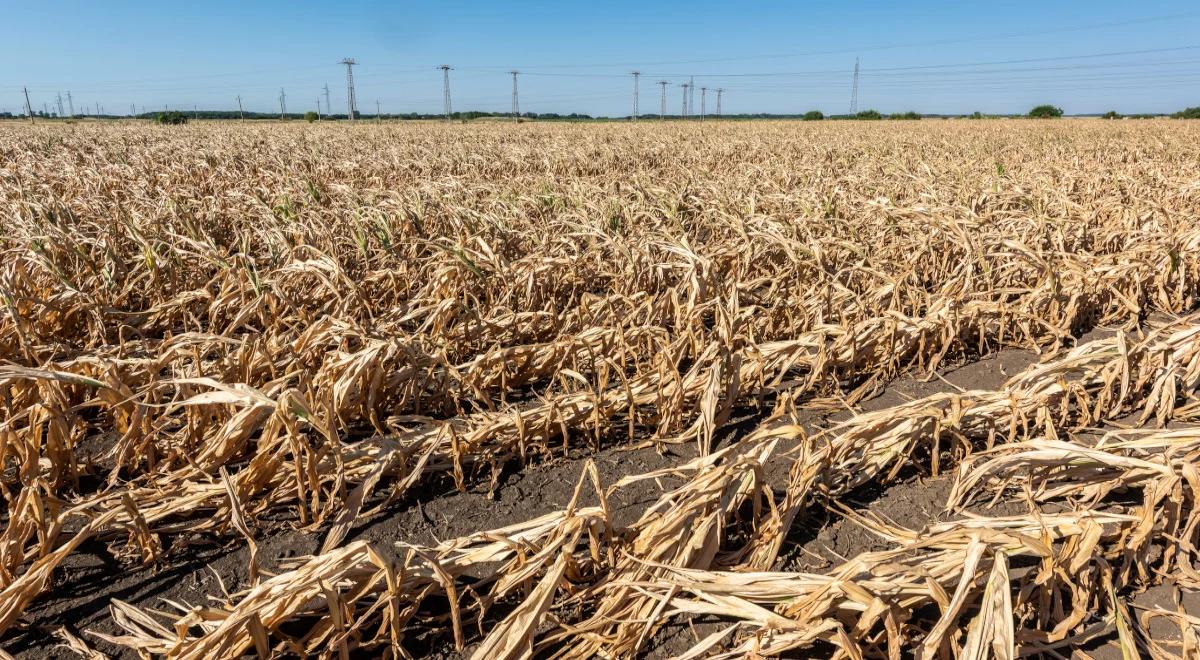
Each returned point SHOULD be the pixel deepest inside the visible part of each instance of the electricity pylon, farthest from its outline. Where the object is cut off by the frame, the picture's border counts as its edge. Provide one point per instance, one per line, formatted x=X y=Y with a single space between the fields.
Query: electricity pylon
x=636 y=76
x=351 y=101
x=447 y=108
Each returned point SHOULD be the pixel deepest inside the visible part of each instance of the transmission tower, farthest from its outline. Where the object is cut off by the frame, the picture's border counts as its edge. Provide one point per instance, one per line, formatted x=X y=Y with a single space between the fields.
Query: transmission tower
x=703 y=94
x=378 y=111
x=351 y=101
x=71 y=105
x=60 y=106
x=636 y=76
x=282 y=104
x=516 y=105
x=132 y=110
x=720 y=91
x=662 y=114
x=241 y=114
x=328 y=107
x=691 y=95
x=854 y=92
x=684 y=108
x=28 y=108
x=447 y=108
x=195 y=113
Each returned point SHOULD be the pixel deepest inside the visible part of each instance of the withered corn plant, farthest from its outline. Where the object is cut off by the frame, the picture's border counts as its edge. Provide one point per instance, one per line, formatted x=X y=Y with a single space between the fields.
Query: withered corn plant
x=207 y=325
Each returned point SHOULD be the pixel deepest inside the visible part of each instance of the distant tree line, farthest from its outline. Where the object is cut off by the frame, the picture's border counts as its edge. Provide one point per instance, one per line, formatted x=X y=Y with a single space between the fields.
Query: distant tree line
x=1041 y=111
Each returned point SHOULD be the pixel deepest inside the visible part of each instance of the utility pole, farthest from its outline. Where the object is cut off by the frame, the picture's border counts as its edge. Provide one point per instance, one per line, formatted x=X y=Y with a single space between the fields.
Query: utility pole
x=28 y=108
x=328 y=108
x=703 y=93
x=282 y=105
x=60 y=106
x=854 y=93
x=720 y=91
x=636 y=76
x=241 y=114
x=378 y=112
x=516 y=105
x=351 y=101
x=446 y=107
x=663 y=112
x=318 y=108
x=71 y=104
x=684 y=108
x=195 y=113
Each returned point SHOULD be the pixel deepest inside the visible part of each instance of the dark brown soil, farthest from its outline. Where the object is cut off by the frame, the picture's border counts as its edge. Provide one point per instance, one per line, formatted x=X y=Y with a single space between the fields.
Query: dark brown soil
x=1163 y=630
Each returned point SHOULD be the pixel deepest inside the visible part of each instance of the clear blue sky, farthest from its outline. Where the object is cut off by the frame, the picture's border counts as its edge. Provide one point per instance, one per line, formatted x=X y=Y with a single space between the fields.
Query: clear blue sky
x=575 y=56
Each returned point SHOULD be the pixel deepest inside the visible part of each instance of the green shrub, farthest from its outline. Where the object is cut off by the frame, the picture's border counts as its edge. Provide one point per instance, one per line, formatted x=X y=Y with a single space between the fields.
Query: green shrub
x=1189 y=113
x=172 y=118
x=1111 y=114
x=310 y=116
x=814 y=115
x=1046 y=112
x=869 y=114
x=906 y=115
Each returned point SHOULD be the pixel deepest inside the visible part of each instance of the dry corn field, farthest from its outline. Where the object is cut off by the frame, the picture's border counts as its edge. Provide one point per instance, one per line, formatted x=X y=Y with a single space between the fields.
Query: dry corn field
x=839 y=389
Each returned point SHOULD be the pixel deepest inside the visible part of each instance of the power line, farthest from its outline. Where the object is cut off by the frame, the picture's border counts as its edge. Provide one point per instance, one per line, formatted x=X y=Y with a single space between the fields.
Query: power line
x=894 y=46
x=888 y=70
